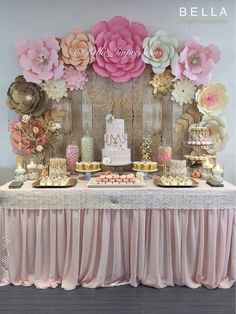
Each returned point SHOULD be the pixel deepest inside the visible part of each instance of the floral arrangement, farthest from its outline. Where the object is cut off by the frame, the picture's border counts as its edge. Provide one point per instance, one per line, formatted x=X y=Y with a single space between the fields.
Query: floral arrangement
x=117 y=49
x=31 y=135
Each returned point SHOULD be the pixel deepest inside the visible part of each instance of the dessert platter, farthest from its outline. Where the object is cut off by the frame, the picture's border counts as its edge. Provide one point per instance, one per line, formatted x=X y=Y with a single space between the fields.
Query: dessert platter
x=175 y=182
x=58 y=182
x=110 y=179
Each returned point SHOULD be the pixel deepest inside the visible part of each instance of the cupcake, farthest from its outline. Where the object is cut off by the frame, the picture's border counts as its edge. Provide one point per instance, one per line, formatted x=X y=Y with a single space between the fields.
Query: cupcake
x=145 y=166
x=87 y=166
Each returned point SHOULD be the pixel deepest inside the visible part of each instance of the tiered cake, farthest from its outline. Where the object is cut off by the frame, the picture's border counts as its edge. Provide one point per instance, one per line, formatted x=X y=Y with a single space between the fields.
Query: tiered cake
x=116 y=151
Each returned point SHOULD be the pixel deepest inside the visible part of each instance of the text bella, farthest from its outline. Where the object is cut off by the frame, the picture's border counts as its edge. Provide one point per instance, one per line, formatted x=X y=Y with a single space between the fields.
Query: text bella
x=202 y=12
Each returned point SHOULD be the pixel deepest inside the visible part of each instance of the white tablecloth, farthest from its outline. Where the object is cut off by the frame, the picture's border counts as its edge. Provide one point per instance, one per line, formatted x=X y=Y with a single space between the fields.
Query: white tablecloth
x=150 y=196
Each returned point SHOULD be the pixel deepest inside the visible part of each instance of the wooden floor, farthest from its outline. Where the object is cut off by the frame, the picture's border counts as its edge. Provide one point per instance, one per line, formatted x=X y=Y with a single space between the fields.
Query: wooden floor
x=120 y=300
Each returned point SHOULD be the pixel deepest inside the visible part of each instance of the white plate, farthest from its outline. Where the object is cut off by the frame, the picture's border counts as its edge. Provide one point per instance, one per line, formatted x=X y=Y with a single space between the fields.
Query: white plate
x=92 y=184
x=140 y=170
x=84 y=171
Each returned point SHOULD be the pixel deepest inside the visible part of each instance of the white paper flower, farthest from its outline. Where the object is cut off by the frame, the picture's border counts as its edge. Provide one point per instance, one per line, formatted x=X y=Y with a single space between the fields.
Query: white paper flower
x=160 y=51
x=56 y=126
x=184 y=92
x=109 y=118
x=140 y=175
x=39 y=148
x=216 y=127
x=55 y=89
x=25 y=118
x=106 y=161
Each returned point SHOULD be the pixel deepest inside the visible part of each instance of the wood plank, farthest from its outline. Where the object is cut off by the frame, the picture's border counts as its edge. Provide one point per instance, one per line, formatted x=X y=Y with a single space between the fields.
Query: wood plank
x=177 y=137
x=167 y=113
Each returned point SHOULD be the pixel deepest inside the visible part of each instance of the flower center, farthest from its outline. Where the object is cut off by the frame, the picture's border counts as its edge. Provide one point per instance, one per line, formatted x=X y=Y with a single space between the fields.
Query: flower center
x=194 y=60
x=210 y=100
x=158 y=53
x=42 y=60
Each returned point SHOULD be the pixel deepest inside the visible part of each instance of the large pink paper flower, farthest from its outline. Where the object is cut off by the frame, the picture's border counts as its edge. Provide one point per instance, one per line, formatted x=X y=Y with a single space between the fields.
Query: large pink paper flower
x=119 y=49
x=39 y=59
x=196 y=62
x=74 y=79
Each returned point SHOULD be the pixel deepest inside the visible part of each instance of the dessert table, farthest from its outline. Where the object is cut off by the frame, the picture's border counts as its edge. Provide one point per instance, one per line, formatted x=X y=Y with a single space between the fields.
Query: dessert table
x=107 y=237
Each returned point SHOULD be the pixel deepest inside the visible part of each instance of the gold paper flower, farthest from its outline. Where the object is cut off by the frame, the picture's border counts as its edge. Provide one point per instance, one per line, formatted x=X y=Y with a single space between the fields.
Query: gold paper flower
x=212 y=99
x=184 y=92
x=55 y=89
x=162 y=83
x=26 y=98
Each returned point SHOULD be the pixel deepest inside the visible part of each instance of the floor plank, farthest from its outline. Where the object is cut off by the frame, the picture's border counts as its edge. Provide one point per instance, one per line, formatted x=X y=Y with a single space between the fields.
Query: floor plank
x=118 y=300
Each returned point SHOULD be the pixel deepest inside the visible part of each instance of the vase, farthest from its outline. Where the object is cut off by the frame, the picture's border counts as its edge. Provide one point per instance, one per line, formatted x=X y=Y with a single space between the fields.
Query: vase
x=87 y=149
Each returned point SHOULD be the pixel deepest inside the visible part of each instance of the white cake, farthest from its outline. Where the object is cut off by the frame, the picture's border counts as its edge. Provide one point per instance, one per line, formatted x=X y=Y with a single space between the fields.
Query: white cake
x=115 y=142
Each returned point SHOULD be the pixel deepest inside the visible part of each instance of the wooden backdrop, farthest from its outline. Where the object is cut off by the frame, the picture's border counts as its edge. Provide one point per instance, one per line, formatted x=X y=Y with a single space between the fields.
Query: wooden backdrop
x=143 y=112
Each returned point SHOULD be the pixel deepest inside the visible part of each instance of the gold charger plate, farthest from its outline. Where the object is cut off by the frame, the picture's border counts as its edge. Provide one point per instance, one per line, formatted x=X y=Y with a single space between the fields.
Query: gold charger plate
x=70 y=183
x=159 y=183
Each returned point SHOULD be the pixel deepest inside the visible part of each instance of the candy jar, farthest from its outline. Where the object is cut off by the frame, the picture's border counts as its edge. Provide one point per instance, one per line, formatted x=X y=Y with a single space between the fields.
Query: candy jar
x=32 y=171
x=72 y=155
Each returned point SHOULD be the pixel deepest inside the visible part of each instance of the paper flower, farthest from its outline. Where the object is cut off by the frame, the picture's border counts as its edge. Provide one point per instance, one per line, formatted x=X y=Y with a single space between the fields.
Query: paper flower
x=74 y=79
x=184 y=92
x=160 y=51
x=212 y=99
x=26 y=98
x=216 y=128
x=39 y=59
x=109 y=118
x=78 y=49
x=32 y=137
x=25 y=118
x=106 y=161
x=162 y=83
x=119 y=48
x=55 y=89
x=196 y=62
x=191 y=116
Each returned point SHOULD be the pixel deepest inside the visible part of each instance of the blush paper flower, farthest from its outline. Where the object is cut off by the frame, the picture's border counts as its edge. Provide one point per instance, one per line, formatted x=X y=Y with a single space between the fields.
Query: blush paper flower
x=78 y=49
x=75 y=80
x=160 y=51
x=39 y=59
x=196 y=62
x=212 y=99
x=119 y=48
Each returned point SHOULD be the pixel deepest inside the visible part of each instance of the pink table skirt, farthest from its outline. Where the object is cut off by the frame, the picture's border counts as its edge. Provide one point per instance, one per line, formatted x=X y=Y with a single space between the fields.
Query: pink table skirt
x=95 y=248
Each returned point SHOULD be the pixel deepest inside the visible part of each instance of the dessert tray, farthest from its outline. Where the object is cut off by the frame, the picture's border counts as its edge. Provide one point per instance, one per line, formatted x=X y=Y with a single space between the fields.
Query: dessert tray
x=67 y=184
x=116 y=180
x=141 y=170
x=187 y=183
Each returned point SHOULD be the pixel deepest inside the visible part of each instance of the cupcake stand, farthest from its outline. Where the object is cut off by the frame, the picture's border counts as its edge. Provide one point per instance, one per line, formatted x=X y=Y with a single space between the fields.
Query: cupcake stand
x=87 y=173
x=147 y=173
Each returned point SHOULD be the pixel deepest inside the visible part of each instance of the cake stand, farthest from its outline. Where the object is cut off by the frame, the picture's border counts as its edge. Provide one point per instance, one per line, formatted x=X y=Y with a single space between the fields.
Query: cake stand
x=88 y=173
x=117 y=166
x=145 y=172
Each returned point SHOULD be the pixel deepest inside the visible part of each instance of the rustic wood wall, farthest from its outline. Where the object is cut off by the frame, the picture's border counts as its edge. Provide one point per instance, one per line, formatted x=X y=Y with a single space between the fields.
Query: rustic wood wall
x=133 y=101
